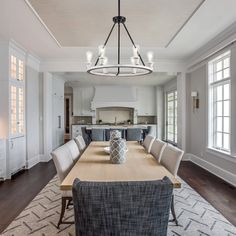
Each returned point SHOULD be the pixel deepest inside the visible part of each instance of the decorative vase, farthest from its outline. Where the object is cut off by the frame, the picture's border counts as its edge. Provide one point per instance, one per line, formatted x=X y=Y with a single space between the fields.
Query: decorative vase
x=115 y=134
x=117 y=150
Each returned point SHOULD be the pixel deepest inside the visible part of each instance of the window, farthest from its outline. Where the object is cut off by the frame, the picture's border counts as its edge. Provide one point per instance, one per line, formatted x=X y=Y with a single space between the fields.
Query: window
x=219 y=102
x=13 y=67
x=171 y=116
x=17 y=113
x=13 y=110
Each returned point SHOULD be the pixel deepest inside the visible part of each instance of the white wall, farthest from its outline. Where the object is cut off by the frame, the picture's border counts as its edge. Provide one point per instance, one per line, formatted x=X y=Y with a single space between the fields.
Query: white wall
x=32 y=116
x=222 y=165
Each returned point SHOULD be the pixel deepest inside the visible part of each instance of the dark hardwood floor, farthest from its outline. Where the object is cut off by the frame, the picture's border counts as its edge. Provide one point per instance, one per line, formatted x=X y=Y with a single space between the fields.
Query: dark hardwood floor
x=215 y=190
x=16 y=194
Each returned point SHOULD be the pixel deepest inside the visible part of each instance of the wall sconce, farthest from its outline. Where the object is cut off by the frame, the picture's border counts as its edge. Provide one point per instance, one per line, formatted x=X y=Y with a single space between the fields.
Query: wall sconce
x=195 y=100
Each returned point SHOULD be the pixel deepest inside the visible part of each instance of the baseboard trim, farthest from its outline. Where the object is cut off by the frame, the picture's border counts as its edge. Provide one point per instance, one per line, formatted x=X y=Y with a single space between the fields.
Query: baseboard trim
x=32 y=161
x=215 y=170
x=45 y=158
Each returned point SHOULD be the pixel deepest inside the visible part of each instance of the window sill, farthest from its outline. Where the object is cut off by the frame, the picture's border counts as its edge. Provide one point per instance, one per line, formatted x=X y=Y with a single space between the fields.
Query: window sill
x=221 y=154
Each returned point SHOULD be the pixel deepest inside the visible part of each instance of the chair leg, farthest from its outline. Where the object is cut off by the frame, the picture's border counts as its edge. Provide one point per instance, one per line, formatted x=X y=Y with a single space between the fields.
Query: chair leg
x=63 y=208
x=173 y=211
x=70 y=202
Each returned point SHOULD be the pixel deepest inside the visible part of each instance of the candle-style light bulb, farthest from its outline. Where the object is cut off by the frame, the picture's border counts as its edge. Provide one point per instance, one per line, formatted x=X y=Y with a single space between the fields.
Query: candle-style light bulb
x=102 y=50
x=135 y=51
x=150 y=56
x=89 y=56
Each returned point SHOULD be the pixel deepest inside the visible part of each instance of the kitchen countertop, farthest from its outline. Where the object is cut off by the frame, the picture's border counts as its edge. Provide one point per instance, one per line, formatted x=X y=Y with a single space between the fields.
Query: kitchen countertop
x=106 y=126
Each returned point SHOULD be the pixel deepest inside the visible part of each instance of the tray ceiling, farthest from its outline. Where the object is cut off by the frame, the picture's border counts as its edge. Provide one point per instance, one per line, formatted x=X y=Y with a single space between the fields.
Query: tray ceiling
x=86 y=23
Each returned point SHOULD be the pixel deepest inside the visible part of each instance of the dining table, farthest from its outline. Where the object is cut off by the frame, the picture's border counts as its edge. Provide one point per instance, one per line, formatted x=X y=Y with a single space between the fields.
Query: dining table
x=95 y=165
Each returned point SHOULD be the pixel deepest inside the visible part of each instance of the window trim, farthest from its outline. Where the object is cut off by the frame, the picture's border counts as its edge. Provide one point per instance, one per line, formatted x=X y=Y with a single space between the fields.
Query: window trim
x=175 y=142
x=211 y=111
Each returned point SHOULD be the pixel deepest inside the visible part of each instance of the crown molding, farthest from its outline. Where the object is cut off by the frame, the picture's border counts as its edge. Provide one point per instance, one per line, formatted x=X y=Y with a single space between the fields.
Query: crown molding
x=220 y=42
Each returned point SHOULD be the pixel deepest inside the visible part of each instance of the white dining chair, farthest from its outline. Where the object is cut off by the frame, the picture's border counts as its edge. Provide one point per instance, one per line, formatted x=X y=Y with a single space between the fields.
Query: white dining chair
x=63 y=163
x=157 y=149
x=170 y=159
x=147 y=143
x=80 y=143
x=73 y=149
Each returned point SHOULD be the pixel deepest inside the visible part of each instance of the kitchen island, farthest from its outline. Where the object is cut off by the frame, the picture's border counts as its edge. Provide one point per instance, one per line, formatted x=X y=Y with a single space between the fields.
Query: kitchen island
x=76 y=128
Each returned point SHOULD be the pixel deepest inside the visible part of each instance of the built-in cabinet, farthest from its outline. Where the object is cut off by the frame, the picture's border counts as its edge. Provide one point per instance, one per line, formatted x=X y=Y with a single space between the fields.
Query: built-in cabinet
x=58 y=112
x=82 y=97
x=12 y=107
x=2 y=159
x=146 y=97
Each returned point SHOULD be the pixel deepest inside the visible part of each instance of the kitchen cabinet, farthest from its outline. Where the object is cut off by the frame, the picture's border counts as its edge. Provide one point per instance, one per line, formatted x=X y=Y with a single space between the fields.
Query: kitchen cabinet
x=146 y=97
x=82 y=98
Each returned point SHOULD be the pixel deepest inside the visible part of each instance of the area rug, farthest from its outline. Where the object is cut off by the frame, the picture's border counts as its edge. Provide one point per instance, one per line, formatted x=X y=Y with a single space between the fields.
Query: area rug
x=195 y=215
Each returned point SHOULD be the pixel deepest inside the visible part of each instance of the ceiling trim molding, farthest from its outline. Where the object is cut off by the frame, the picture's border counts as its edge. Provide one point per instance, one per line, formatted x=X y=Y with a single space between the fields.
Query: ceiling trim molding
x=42 y=22
x=220 y=42
x=169 y=66
x=184 y=24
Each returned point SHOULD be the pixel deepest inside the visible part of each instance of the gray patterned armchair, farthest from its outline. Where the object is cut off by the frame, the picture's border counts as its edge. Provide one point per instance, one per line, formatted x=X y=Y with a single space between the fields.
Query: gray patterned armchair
x=122 y=208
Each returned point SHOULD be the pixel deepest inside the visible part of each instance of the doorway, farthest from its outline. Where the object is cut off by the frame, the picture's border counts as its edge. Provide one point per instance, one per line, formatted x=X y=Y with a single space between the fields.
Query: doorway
x=68 y=114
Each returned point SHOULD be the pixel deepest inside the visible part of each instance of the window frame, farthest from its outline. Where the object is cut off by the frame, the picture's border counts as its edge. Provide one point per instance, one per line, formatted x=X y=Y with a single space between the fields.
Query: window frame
x=212 y=86
x=175 y=116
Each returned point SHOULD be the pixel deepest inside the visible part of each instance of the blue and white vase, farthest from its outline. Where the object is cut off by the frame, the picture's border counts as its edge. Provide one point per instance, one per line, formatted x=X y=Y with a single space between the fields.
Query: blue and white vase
x=117 y=150
x=115 y=134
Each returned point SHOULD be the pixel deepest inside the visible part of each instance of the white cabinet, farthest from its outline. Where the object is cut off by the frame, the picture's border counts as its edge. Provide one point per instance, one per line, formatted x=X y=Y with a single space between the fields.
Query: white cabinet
x=82 y=98
x=58 y=112
x=146 y=97
x=17 y=154
x=2 y=159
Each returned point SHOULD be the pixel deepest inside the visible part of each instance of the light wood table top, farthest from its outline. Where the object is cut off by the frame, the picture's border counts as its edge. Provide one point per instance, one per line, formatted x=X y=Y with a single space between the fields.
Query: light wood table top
x=95 y=165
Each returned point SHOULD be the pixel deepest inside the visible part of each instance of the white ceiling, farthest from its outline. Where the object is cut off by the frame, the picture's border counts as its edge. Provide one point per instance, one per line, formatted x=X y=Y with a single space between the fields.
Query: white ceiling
x=19 y=22
x=82 y=79
x=86 y=23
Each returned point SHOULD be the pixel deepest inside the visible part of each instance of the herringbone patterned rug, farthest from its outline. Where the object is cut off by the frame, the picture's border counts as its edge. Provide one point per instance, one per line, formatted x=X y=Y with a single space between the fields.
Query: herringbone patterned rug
x=196 y=216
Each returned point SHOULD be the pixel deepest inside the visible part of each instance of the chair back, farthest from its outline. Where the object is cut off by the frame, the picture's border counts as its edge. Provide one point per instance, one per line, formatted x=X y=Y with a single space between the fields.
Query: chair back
x=171 y=158
x=122 y=208
x=63 y=161
x=157 y=148
x=98 y=135
x=147 y=143
x=80 y=143
x=85 y=135
x=74 y=150
x=134 y=134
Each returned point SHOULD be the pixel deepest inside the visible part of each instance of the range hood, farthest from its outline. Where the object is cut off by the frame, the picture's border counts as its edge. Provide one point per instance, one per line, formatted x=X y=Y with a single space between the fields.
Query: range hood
x=114 y=96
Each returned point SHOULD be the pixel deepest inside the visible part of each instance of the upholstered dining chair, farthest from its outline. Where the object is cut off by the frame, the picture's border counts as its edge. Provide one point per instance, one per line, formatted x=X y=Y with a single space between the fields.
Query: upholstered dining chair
x=157 y=148
x=171 y=158
x=122 y=208
x=147 y=143
x=85 y=135
x=98 y=134
x=63 y=162
x=134 y=134
x=80 y=143
x=73 y=149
